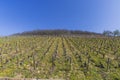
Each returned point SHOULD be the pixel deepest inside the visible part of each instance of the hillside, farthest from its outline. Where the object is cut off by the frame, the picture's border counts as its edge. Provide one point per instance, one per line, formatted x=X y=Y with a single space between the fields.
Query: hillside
x=51 y=57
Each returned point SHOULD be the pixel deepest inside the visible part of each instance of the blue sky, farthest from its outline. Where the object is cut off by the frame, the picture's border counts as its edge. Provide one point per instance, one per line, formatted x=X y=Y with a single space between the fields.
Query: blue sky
x=89 y=15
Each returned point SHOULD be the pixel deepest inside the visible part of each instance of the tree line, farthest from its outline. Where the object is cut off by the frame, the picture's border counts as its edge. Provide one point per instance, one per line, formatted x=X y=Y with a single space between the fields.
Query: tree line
x=69 y=32
x=111 y=33
x=57 y=32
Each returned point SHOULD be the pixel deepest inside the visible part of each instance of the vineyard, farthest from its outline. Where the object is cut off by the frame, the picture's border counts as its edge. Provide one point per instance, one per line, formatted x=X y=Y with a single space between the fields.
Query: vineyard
x=70 y=58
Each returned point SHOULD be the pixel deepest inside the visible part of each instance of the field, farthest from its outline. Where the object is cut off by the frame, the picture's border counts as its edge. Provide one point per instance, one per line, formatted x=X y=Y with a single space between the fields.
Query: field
x=70 y=58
